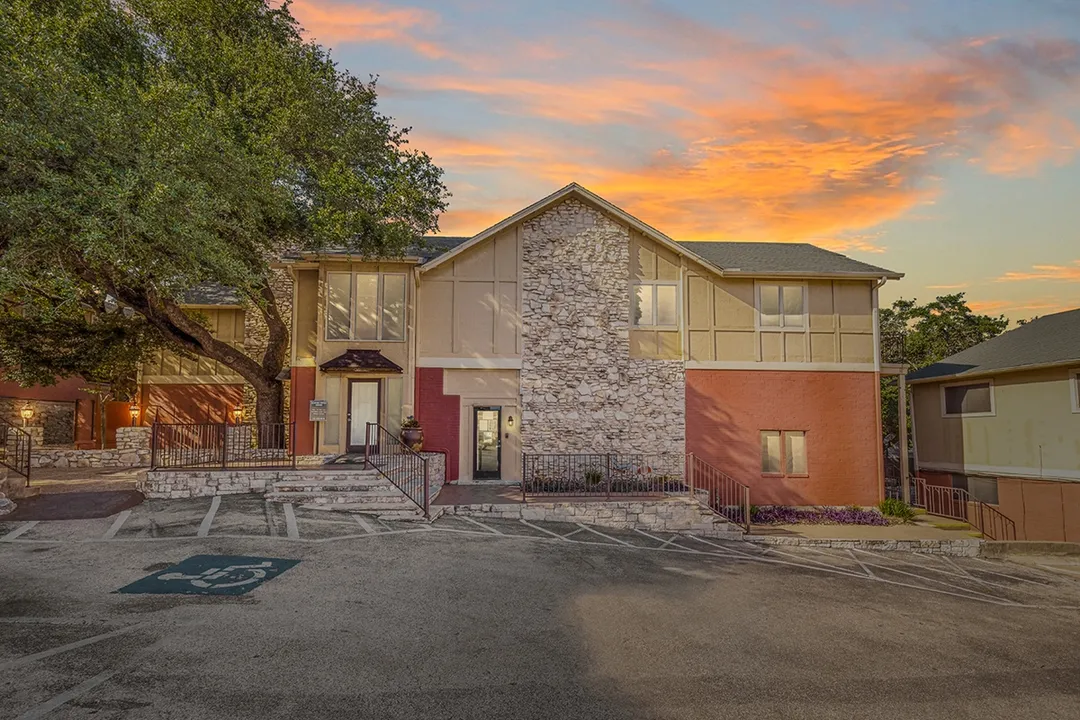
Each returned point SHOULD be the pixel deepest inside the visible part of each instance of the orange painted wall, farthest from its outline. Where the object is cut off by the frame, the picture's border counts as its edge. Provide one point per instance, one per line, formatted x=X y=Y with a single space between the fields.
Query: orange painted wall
x=189 y=403
x=727 y=409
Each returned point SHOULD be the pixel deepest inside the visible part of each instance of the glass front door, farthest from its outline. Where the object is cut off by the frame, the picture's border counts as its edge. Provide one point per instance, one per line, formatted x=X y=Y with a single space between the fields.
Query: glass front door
x=363 y=409
x=487 y=439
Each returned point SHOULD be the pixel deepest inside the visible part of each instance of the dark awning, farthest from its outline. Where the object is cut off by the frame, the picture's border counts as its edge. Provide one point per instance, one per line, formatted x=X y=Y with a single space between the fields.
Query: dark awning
x=361 y=361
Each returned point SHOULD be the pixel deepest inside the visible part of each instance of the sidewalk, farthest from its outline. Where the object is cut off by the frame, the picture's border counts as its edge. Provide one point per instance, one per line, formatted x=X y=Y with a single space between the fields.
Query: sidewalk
x=924 y=528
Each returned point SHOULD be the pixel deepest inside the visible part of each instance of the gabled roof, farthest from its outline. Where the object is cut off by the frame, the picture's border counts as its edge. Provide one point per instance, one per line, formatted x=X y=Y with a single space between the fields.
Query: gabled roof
x=1047 y=341
x=778 y=258
x=210 y=293
x=361 y=360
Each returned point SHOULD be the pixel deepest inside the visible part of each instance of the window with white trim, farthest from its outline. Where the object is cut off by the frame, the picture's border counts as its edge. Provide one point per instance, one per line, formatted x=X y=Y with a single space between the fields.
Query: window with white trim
x=781 y=306
x=655 y=304
x=967 y=399
x=1074 y=390
x=365 y=306
x=784 y=453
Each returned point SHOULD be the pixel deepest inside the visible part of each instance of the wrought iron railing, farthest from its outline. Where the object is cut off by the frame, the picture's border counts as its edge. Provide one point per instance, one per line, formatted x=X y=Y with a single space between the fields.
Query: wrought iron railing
x=957 y=504
x=603 y=475
x=725 y=495
x=893 y=348
x=16 y=447
x=219 y=445
x=405 y=468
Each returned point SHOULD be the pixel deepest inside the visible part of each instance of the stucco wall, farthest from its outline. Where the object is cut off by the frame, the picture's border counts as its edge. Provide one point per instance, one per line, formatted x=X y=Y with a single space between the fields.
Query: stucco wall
x=581 y=390
x=726 y=410
x=1033 y=433
x=487 y=388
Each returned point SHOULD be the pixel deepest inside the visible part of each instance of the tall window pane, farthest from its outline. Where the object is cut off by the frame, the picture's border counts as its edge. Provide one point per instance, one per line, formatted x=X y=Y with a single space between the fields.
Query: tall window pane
x=667 y=305
x=393 y=310
x=367 y=307
x=795 y=452
x=770 y=305
x=793 y=306
x=643 y=305
x=337 y=306
x=770 y=451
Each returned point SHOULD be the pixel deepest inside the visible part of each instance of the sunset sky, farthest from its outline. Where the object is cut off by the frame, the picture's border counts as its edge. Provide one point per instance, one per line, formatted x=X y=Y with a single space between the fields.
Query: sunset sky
x=938 y=138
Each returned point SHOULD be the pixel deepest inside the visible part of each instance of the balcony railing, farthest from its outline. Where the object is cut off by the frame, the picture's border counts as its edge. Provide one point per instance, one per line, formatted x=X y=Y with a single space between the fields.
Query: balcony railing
x=603 y=475
x=892 y=348
x=218 y=445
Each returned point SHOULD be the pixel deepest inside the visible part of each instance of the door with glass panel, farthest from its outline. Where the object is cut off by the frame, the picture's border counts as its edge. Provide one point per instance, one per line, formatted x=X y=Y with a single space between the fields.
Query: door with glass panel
x=363 y=409
x=487 y=442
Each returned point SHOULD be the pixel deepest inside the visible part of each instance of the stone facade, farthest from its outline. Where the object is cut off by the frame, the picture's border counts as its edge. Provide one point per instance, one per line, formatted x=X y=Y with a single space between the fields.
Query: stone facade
x=675 y=514
x=581 y=392
x=132 y=450
x=55 y=419
x=256 y=334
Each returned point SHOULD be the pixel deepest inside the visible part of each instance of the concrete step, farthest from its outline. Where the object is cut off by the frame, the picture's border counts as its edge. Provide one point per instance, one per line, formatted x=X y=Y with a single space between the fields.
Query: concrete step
x=365 y=499
x=372 y=485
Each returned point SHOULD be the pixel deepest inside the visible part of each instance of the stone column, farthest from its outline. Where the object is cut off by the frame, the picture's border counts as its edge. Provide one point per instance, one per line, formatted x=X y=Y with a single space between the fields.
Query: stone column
x=133 y=445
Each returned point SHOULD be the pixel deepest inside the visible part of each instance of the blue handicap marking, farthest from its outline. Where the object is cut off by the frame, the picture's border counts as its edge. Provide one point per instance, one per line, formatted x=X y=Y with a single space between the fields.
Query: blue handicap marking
x=211 y=575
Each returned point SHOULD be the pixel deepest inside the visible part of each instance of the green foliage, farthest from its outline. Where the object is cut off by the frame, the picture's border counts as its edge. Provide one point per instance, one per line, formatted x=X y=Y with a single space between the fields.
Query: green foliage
x=148 y=146
x=932 y=332
x=593 y=476
x=893 y=507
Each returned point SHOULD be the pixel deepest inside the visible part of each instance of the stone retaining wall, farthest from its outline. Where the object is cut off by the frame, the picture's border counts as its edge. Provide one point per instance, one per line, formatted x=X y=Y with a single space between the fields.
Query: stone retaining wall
x=676 y=514
x=132 y=450
x=958 y=548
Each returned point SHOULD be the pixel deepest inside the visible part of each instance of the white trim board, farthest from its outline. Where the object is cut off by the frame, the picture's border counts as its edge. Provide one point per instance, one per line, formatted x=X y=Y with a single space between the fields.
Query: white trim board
x=790 y=366
x=470 y=363
x=1049 y=474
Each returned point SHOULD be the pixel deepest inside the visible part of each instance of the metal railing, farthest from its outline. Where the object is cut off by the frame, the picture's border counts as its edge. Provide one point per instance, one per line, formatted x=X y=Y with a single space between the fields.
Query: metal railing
x=603 y=475
x=16 y=446
x=219 y=445
x=957 y=504
x=893 y=348
x=405 y=468
x=726 y=496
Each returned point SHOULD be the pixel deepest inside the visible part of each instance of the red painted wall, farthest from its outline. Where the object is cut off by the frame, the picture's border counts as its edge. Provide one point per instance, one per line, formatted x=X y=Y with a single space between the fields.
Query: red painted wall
x=727 y=409
x=87 y=407
x=440 y=416
x=302 y=390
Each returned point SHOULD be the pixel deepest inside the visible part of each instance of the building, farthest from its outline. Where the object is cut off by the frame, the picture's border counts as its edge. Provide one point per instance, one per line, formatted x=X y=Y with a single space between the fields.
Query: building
x=1002 y=420
x=573 y=327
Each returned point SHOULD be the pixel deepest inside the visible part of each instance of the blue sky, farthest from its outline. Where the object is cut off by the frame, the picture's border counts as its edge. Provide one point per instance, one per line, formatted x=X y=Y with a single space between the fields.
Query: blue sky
x=938 y=138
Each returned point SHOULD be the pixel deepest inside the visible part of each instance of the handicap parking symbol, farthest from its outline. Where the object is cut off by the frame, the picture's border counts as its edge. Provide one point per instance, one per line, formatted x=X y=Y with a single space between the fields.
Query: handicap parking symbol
x=211 y=575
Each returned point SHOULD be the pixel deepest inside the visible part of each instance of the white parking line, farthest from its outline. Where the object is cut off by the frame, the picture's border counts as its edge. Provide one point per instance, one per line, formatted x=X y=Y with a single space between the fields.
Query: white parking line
x=204 y=528
x=117 y=524
x=606 y=537
x=537 y=527
x=368 y=527
x=663 y=543
x=290 y=523
x=862 y=564
x=24 y=528
x=480 y=524
x=49 y=705
x=27 y=659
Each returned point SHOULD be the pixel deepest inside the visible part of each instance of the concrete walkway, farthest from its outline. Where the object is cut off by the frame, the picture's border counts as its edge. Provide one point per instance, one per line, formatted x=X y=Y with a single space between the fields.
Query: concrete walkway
x=62 y=480
x=924 y=528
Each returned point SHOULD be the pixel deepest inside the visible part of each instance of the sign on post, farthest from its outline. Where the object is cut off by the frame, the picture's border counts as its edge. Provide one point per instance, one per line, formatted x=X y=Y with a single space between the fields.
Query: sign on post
x=317 y=410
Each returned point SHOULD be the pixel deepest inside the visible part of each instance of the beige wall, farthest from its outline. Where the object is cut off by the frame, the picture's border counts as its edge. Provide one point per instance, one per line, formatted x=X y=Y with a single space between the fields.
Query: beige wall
x=651 y=261
x=487 y=388
x=721 y=319
x=1033 y=427
x=166 y=367
x=306 y=316
x=469 y=307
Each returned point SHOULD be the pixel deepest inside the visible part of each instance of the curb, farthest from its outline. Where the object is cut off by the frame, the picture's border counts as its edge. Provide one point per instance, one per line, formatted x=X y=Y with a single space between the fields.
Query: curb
x=1005 y=548
x=957 y=548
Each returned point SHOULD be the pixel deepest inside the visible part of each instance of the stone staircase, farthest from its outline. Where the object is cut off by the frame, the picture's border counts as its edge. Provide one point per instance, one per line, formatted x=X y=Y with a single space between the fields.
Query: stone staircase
x=343 y=489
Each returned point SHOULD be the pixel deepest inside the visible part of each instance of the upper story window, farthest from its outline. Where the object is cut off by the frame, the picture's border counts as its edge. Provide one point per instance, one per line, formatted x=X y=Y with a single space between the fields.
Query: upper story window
x=1074 y=389
x=781 y=306
x=655 y=304
x=967 y=399
x=365 y=306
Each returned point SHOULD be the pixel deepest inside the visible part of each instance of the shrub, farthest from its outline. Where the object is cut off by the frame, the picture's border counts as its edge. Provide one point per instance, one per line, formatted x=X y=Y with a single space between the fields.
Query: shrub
x=894 y=507
x=593 y=476
x=781 y=515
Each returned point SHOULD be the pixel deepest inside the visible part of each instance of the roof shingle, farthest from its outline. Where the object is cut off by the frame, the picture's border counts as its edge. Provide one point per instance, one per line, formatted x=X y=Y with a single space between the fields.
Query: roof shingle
x=783 y=258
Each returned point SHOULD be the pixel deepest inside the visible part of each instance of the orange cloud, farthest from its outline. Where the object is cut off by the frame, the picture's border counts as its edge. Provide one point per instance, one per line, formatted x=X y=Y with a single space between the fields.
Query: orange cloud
x=1069 y=273
x=1020 y=307
x=957 y=286
x=333 y=23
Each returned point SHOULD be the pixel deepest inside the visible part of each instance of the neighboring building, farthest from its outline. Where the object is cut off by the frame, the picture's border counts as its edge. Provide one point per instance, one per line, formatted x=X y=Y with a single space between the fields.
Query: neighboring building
x=573 y=327
x=1002 y=420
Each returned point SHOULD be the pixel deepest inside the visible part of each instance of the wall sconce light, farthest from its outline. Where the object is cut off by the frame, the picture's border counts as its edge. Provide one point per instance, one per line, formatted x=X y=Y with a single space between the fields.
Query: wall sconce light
x=510 y=421
x=26 y=413
x=237 y=414
x=133 y=411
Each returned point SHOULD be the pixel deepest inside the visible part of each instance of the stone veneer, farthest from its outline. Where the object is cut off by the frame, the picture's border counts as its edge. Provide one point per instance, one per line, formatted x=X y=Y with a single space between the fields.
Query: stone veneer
x=581 y=392
x=256 y=334
x=55 y=419
x=132 y=450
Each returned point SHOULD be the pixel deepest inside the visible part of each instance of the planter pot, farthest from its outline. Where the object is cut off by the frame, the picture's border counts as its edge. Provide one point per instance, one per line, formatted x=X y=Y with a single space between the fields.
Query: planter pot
x=413 y=437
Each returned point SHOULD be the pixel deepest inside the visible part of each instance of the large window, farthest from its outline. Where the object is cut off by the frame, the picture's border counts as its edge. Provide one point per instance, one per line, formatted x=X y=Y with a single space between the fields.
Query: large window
x=365 y=306
x=967 y=399
x=783 y=452
x=655 y=304
x=781 y=306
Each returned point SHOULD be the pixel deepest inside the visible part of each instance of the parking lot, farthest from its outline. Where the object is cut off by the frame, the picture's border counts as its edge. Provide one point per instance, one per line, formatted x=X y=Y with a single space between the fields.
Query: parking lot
x=478 y=618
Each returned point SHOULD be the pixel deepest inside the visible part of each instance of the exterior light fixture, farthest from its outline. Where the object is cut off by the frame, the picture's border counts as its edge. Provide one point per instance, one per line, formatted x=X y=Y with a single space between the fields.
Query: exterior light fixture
x=237 y=414
x=133 y=411
x=510 y=421
x=26 y=413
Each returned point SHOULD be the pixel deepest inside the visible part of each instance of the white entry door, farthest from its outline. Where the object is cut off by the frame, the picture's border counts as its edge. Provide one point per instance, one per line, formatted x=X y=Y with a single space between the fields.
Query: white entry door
x=363 y=409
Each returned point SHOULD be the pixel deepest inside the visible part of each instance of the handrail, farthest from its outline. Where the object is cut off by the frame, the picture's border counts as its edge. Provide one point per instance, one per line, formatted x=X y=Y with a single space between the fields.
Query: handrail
x=727 y=496
x=955 y=503
x=16 y=449
x=220 y=445
x=601 y=474
x=406 y=469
